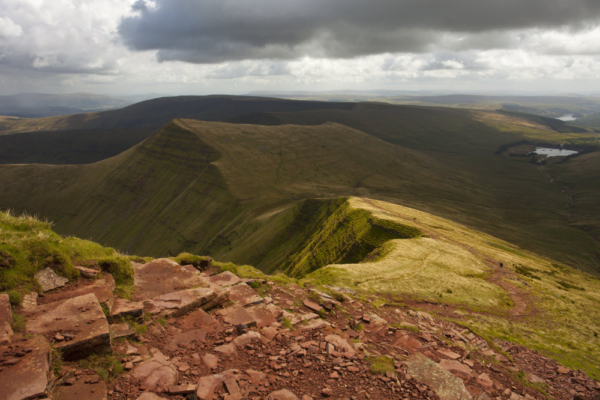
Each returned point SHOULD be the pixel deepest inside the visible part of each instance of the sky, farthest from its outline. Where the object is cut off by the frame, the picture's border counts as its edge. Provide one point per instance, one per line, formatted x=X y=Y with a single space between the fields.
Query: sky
x=237 y=46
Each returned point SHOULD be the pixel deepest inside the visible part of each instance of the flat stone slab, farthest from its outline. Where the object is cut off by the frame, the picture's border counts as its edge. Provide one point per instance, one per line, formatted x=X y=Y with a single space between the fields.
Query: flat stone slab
x=223 y=279
x=457 y=368
x=244 y=295
x=264 y=315
x=408 y=343
x=82 y=317
x=103 y=288
x=221 y=299
x=118 y=331
x=179 y=303
x=445 y=385
x=49 y=280
x=237 y=315
x=163 y=276
x=28 y=378
x=81 y=390
x=124 y=308
x=5 y=319
x=448 y=354
x=156 y=373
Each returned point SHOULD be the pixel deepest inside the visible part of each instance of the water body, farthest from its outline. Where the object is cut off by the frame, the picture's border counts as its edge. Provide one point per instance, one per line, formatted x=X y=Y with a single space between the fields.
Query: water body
x=548 y=152
x=567 y=117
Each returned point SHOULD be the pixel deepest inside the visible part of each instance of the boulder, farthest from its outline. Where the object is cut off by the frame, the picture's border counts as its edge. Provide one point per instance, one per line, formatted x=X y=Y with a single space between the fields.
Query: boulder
x=408 y=343
x=264 y=315
x=207 y=386
x=179 y=303
x=341 y=345
x=81 y=318
x=485 y=381
x=221 y=299
x=118 y=331
x=163 y=276
x=124 y=308
x=237 y=315
x=103 y=289
x=5 y=319
x=156 y=373
x=244 y=295
x=223 y=279
x=430 y=373
x=27 y=379
x=49 y=280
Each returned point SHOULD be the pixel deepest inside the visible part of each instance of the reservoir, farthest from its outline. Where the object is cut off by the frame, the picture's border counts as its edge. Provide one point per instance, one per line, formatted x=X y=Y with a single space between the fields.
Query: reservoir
x=548 y=152
x=567 y=117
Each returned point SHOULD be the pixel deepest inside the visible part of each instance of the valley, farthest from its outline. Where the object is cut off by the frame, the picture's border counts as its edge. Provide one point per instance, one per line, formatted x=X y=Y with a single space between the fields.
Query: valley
x=406 y=210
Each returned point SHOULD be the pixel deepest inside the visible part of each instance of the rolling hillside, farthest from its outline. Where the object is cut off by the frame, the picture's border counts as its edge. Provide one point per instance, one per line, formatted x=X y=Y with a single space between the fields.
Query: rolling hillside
x=234 y=190
x=192 y=183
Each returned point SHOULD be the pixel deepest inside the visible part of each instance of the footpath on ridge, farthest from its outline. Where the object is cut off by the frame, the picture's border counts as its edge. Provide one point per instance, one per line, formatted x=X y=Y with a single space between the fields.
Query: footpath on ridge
x=191 y=333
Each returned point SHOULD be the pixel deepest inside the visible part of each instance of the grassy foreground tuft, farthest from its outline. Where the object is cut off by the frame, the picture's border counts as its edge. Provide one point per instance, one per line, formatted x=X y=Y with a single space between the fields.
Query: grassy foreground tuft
x=28 y=245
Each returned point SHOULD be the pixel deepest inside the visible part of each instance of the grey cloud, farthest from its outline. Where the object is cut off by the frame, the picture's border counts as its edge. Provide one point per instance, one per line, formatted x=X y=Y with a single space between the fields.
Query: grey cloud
x=211 y=31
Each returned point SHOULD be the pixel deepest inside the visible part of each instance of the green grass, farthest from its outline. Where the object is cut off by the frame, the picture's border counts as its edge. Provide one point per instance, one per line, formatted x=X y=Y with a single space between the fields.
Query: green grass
x=200 y=262
x=108 y=367
x=238 y=196
x=406 y=327
x=380 y=365
x=18 y=322
x=28 y=245
x=287 y=324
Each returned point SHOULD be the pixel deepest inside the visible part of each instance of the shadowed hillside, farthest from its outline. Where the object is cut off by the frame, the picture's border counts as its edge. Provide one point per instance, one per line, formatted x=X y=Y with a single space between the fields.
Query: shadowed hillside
x=157 y=112
x=91 y=137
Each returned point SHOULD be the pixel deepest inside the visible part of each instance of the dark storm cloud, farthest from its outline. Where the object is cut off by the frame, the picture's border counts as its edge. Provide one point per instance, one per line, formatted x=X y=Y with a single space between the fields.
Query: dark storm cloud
x=209 y=31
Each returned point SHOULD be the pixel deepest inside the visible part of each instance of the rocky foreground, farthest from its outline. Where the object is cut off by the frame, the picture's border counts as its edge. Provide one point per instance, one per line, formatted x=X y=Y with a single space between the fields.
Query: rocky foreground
x=191 y=334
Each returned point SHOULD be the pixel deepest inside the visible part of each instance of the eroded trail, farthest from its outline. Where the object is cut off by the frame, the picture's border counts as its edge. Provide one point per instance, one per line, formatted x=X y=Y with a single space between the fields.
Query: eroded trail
x=499 y=276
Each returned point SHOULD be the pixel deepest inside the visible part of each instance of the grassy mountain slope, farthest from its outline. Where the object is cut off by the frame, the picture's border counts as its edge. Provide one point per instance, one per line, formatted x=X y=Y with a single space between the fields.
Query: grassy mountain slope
x=83 y=146
x=451 y=171
x=193 y=185
x=505 y=196
x=580 y=177
x=435 y=265
x=455 y=272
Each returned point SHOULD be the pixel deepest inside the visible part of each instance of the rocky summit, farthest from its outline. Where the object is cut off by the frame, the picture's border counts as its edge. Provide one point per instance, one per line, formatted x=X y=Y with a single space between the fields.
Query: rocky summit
x=206 y=334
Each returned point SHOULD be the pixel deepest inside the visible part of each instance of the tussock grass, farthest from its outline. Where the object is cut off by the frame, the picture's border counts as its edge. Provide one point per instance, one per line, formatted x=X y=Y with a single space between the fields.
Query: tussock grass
x=200 y=262
x=380 y=365
x=28 y=245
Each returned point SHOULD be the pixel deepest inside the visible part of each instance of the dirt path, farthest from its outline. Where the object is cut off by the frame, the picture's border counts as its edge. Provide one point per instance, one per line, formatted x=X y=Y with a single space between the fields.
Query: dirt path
x=500 y=275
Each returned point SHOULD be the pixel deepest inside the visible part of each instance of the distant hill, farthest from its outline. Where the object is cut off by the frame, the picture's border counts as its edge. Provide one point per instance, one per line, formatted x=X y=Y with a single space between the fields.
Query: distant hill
x=157 y=112
x=89 y=137
x=38 y=105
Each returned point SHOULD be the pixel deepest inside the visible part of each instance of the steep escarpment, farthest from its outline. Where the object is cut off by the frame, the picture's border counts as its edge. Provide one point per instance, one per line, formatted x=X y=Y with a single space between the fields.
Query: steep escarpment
x=159 y=197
